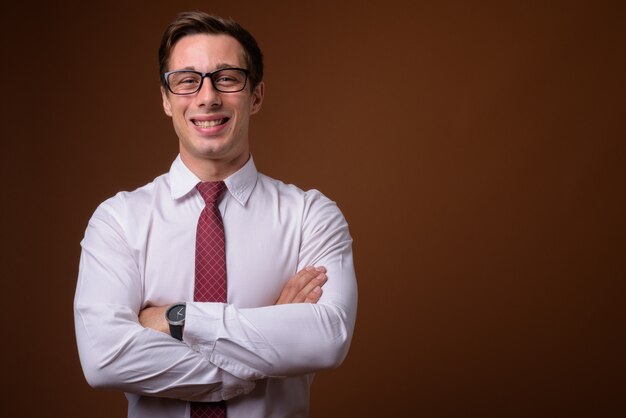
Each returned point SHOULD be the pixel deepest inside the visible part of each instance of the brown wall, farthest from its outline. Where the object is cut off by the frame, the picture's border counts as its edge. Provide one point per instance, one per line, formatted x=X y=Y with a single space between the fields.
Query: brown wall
x=476 y=150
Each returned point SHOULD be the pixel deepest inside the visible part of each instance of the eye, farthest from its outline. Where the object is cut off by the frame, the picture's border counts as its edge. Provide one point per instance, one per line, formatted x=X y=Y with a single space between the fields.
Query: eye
x=188 y=80
x=225 y=79
x=184 y=78
x=229 y=78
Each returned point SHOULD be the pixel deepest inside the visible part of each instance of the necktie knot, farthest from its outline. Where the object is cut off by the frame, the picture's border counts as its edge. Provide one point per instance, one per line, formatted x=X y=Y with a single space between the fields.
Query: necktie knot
x=211 y=191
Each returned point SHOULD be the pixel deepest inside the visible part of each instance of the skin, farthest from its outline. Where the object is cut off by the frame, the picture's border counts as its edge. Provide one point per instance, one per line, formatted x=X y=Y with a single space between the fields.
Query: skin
x=215 y=153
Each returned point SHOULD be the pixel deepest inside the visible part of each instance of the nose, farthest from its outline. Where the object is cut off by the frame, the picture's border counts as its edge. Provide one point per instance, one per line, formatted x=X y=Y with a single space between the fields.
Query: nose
x=208 y=95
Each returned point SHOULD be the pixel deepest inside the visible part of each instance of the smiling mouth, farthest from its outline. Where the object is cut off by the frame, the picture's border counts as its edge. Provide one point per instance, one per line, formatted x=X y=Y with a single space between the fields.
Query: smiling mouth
x=209 y=123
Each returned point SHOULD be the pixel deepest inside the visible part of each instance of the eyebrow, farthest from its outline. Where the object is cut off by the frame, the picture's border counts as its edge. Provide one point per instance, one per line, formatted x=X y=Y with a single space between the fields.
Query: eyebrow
x=220 y=66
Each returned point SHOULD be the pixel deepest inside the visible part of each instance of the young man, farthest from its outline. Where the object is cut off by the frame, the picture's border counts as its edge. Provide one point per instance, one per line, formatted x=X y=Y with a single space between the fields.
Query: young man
x=145 y=321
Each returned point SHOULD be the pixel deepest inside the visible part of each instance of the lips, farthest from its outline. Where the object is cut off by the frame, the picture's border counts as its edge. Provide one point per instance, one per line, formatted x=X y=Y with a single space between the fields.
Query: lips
x=205 y=124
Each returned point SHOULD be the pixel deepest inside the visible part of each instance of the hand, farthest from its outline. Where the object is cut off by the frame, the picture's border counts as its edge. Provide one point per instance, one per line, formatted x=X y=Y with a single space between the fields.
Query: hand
x=304 y=287
x=154 y=317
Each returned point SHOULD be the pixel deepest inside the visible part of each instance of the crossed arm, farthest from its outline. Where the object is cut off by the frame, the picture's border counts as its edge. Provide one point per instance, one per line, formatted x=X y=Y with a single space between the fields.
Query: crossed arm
x=113 y=350
x=226 y=349
x=304 y=287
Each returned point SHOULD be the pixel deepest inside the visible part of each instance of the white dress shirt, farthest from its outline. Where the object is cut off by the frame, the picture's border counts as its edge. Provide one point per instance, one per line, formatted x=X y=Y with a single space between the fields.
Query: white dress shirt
x=139 y=250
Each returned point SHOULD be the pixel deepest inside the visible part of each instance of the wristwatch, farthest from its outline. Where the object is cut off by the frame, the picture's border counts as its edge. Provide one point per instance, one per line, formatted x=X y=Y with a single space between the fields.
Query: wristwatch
x=175 y=316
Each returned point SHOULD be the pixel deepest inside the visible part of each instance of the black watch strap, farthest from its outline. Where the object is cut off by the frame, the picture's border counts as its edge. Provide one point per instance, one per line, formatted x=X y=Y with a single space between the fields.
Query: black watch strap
x=176 y=331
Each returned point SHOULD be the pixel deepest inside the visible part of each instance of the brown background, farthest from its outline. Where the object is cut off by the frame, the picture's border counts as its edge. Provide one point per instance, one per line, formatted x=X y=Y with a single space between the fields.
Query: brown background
x=477 y=151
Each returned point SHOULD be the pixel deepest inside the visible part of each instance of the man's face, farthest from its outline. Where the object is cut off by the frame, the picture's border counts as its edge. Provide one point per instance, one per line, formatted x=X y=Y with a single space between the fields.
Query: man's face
x=212 y=127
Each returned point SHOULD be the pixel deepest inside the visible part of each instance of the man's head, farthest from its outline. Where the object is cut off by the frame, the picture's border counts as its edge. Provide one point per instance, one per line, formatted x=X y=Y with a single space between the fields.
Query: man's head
x=191 y=23
x=207 y=64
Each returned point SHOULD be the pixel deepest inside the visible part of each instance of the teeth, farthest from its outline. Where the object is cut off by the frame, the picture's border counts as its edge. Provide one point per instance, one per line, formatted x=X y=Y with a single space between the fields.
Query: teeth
x=208 y=123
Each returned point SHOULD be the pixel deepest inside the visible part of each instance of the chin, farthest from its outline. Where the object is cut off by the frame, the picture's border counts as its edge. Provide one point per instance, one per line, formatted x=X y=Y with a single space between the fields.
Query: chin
x=211 y=147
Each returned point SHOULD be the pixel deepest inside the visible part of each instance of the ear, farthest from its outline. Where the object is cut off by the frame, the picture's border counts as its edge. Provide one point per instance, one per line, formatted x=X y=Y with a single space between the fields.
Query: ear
x=167 y=107
x=257 y=98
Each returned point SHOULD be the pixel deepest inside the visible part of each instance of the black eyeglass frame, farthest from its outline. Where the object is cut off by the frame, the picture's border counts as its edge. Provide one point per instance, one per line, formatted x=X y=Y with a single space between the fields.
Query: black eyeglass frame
x=202 y=77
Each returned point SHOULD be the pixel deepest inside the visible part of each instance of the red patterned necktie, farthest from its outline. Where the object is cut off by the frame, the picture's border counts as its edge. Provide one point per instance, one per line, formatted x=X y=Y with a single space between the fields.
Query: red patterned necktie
x=210 y=284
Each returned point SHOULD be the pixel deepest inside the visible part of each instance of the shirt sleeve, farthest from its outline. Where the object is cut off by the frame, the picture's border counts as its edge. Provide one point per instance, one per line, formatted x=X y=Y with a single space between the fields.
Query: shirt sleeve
x=115 y=351
x=291 y=339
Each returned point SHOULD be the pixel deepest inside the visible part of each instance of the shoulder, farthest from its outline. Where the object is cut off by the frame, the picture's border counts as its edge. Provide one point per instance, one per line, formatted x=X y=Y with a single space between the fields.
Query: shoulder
x=129 y=204
x=284 y=190
x=315 y=207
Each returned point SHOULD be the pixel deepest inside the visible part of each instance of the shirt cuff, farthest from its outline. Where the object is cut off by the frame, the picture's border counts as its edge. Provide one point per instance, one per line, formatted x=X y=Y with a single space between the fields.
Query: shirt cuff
x=202 y=322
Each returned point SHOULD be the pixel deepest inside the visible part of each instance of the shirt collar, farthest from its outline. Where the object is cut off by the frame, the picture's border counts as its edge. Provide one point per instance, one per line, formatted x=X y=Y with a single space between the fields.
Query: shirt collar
x=240 y=184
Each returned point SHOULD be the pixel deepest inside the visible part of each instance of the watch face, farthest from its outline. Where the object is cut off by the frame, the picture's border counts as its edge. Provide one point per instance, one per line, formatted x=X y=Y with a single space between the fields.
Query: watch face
x=176 y=313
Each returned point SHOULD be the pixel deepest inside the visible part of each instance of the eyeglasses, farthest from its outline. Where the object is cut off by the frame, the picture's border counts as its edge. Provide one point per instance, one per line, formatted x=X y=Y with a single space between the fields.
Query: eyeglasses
x=226 y=80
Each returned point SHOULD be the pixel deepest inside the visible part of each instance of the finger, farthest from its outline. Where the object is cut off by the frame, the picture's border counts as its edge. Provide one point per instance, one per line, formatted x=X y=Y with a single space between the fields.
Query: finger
x=314 y=296
x=299 y=286
x=317 y=281
x=307 y=274
x=295 y=285
x=302 y=278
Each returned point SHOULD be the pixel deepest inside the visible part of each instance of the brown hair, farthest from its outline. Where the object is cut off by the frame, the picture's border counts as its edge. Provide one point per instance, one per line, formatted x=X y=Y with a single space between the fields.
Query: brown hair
x=192 y=23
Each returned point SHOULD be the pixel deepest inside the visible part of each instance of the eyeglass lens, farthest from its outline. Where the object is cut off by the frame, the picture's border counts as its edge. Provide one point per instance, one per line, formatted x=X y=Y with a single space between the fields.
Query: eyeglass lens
x=187 y=82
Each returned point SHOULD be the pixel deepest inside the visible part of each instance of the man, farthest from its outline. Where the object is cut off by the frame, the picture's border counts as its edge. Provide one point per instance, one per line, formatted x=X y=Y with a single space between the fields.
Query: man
x=257 y=345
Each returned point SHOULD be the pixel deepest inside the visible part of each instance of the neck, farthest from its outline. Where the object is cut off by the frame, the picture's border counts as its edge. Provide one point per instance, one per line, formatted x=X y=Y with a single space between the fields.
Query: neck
x=214 y=169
